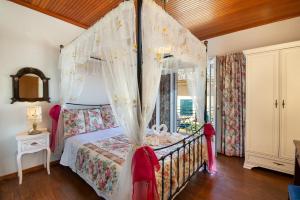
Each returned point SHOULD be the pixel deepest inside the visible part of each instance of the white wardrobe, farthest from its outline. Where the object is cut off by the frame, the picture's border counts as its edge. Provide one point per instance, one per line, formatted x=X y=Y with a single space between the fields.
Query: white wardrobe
x=272 y=106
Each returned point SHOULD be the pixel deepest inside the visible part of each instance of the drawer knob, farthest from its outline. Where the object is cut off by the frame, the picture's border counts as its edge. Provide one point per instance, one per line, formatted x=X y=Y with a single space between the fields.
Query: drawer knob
x=34 y=143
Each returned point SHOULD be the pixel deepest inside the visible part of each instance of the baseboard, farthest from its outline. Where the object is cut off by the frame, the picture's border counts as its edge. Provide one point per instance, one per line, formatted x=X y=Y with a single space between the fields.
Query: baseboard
x=27 y=171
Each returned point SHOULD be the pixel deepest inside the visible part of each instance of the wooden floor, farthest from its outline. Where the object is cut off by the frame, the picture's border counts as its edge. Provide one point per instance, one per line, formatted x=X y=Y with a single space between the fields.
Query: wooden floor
x=232 y=182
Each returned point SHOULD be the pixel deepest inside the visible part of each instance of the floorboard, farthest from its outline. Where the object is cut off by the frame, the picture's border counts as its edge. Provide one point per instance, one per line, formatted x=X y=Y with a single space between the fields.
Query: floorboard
x=232 y=182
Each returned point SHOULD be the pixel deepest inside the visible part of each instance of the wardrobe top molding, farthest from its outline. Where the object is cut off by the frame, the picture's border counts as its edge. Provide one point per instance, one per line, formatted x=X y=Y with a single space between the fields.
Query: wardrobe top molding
x=272 y=47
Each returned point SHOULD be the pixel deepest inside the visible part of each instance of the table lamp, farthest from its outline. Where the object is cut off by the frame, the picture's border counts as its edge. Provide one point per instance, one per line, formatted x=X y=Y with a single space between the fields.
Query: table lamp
x=34 y=114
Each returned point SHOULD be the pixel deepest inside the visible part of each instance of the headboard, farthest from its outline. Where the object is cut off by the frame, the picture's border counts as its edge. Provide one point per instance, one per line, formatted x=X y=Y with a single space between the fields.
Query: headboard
x=81 y=106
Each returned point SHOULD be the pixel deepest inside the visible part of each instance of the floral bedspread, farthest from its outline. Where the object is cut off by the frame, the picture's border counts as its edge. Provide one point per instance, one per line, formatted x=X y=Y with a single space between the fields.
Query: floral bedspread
x=100 y=162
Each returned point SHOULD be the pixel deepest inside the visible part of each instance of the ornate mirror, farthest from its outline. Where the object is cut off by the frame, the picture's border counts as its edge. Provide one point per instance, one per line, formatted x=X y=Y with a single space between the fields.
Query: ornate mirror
x=30 y=84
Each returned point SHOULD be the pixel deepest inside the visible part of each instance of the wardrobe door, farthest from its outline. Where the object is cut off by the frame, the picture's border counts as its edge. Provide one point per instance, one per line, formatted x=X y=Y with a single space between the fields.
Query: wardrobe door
x=290 y=101
x=262 y=112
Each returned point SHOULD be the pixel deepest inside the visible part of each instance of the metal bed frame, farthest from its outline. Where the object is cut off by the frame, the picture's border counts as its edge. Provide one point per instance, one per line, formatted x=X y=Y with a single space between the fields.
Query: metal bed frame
x=194 y=143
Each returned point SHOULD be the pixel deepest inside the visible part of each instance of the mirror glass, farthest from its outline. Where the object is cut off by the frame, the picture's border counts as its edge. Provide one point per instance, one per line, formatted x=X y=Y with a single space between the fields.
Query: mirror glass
x=30 y=86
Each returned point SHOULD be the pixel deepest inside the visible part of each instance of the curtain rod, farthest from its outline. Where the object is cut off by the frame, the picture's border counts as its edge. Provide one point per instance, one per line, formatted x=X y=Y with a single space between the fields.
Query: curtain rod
x=79 y=104
x=92 y=57
x=95 y=58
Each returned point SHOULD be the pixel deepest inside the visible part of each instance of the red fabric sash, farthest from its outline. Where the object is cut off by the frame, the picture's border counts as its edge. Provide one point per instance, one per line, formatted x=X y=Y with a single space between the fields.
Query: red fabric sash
x=209 y=132
x=144 y=162
x=54 y=114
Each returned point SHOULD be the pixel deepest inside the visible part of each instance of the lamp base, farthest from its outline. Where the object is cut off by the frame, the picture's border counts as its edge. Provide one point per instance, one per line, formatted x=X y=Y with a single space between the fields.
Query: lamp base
x=34 y=130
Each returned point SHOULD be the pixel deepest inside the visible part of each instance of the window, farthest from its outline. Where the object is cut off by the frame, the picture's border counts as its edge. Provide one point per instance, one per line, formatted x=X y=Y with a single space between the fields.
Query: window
x=211 y=91
x=175 y=107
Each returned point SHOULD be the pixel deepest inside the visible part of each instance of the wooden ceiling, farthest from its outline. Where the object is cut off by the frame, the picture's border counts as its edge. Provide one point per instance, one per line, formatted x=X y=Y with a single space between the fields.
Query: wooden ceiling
x=205 y=18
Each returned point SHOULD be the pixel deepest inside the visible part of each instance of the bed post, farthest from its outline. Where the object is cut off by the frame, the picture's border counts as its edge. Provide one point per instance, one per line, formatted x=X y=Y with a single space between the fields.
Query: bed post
x=205 y=100
x=60 y=48
x=139 y=49
x=205 y=104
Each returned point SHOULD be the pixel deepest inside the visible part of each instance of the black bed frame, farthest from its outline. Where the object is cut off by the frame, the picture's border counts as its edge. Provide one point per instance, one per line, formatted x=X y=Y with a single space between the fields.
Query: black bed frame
x=193 y=144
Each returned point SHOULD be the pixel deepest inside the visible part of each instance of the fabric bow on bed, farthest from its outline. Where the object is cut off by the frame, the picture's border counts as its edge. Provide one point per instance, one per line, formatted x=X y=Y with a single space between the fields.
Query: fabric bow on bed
x=209 y=132
x=54 y=114
x=144 y=165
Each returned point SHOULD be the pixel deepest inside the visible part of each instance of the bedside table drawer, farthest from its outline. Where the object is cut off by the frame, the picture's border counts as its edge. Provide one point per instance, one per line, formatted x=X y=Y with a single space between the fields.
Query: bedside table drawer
x=31 y=145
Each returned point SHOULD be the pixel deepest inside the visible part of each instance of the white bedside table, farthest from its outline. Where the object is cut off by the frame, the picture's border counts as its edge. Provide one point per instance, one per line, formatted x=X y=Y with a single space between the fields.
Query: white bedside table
x=31 y=144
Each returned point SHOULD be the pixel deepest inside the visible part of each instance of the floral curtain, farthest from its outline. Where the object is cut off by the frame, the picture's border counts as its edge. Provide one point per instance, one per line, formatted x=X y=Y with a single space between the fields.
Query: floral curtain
x=232 y=88
x=153 y=119
x=164 y=102
x=165 y=97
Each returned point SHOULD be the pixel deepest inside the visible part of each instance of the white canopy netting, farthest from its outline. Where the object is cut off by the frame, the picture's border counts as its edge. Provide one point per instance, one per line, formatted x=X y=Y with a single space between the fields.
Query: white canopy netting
x=109 y=47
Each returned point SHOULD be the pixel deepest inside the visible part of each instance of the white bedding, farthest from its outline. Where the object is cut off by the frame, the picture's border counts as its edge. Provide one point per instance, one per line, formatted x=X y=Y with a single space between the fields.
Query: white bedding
x=72 y=144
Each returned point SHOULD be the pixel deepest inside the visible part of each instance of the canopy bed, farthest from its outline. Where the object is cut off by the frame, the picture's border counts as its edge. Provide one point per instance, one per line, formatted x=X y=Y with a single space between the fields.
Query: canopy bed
x=120 y=157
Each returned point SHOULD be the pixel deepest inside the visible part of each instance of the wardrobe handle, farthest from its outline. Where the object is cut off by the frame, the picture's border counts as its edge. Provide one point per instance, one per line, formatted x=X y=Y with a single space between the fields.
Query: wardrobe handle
x=279 y=164
x=283 y=103
x=276 y=103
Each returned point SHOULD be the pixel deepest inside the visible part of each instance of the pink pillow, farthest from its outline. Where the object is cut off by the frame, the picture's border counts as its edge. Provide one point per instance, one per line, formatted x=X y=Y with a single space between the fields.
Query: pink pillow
x=108 y=117
x=74 y=122
x=93 y=120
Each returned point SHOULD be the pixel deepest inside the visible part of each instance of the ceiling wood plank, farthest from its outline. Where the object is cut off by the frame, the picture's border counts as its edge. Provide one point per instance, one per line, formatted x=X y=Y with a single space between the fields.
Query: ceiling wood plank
x=205 y=18
x=44 y=3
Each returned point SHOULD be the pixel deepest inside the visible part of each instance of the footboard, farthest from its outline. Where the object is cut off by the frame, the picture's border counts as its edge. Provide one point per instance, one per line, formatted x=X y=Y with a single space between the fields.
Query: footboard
x=179 y=164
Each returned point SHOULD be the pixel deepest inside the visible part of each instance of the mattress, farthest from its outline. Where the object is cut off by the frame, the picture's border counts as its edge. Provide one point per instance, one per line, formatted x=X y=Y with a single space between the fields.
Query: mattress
x=97 y=157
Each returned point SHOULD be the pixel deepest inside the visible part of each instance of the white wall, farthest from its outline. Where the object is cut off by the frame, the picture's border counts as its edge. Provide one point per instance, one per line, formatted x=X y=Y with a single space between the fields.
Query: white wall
x=274 y=33
x=94 y=91
x=27 y=39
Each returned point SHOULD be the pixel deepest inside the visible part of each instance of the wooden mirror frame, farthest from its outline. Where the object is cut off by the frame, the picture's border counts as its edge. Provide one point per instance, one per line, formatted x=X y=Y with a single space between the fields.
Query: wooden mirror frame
x=15 y=85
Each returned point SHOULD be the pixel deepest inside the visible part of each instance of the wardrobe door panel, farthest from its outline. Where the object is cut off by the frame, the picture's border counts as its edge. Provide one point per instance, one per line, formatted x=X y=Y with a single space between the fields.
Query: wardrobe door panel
x=262 y=115
x=290 y=101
